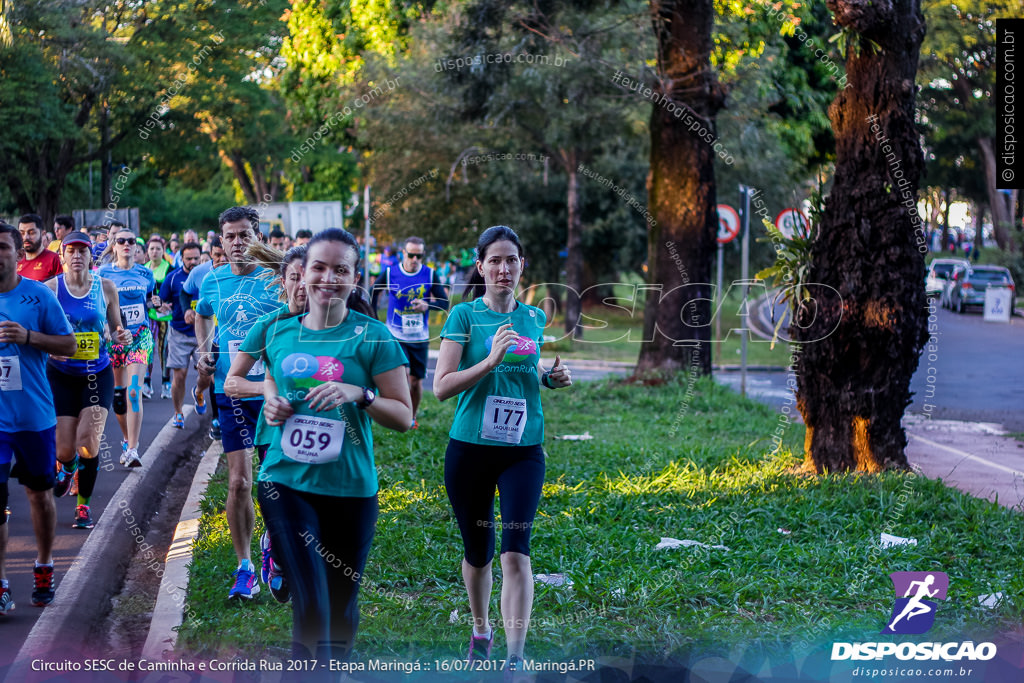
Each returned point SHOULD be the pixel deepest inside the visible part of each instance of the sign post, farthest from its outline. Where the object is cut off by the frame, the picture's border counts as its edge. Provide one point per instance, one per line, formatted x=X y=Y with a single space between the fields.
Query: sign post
x=728 y=229
x=793 y=222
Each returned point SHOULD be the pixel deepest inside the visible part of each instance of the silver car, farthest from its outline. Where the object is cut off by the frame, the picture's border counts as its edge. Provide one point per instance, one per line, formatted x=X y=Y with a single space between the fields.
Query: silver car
x=939 y=272
x=970 y=285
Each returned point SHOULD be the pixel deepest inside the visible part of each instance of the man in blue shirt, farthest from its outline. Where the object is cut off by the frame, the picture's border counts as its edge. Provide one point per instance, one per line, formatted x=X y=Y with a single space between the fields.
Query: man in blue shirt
x=237 y=296
x=181 y=334
x=32 y=325
x=189 y=299
x=413 y=291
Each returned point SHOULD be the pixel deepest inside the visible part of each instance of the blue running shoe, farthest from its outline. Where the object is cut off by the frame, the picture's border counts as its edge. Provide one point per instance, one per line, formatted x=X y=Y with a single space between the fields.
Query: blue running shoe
x=267 y=565
x=178 y=421
x=245 y=587
x=200 y=402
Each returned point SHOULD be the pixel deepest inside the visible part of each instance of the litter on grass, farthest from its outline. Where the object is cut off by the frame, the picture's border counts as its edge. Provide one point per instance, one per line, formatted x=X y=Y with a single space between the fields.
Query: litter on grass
x=453 y=618
x=784 y=532
x=576 y=437
x=669 y=543
x=888 y=540
x=990 y=600
x=553 y=579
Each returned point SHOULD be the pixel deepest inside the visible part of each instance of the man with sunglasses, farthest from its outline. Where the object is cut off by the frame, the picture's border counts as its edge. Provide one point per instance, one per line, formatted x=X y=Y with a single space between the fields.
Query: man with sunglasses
x=413 y=289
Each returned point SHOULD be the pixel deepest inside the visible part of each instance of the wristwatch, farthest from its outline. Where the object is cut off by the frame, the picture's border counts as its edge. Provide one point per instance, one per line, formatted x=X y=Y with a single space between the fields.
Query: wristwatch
x=369 y=396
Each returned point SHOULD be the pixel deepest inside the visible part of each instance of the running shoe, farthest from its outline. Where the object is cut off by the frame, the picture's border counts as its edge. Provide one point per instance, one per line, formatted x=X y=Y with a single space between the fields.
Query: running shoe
x=82 y=518
x=267 y=564
x=124 y=452
x=513 y=667
x=279 y=585
x=147 y=390
x=165 y=391
x=215 y=430
x=6 y=601
x=63 y=482
x=415 y=423
x=178 y=421
x=43 y=593
x=132 y=458
x=245 y=587
x=199 y=400
x=73 y=491
x=480 y=646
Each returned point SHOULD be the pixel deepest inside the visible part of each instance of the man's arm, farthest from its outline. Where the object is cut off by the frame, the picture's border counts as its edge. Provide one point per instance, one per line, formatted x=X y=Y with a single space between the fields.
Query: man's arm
x=438 y=298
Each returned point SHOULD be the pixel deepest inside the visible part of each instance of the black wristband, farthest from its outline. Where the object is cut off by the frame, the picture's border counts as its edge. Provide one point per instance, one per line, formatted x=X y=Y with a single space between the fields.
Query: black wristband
x=544 y=379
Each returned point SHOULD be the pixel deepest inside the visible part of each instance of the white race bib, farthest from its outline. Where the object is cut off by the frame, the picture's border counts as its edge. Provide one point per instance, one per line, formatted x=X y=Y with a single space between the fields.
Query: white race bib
x=412 y=323
x=233 y=346
x=10 y=373
x=134 y=314
x=504 y=419
x=312 y=440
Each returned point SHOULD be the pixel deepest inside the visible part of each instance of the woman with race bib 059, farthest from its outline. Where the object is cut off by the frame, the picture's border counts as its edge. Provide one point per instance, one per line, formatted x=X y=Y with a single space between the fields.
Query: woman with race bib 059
x=135 y=290
x=490 y=359
x=329 y=372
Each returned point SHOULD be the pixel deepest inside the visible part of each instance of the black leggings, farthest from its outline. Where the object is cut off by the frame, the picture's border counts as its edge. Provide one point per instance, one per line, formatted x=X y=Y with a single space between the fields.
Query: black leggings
x=321 y=543
x=471 y=473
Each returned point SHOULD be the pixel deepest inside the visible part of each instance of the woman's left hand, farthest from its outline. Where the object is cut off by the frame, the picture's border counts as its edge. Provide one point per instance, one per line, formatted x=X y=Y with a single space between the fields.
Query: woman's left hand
x=330 y=395
x=559 y=376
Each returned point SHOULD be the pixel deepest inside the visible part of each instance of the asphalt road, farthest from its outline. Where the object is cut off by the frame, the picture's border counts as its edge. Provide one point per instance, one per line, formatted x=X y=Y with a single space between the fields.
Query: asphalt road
x=21 y=548
x=977 y=372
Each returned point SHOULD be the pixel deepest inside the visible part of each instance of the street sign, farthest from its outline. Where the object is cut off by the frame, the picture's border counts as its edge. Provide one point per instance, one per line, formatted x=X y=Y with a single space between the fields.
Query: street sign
x=793 y=222
x=997 y=304
x=728 y=224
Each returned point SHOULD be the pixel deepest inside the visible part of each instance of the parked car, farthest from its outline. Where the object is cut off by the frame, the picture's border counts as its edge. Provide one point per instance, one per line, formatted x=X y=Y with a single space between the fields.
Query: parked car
x=969 y=286
x=949 y=283
x=938 y=274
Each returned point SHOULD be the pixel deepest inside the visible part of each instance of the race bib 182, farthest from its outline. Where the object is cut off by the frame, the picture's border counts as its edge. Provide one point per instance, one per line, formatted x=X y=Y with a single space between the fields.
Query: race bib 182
x=88 y=346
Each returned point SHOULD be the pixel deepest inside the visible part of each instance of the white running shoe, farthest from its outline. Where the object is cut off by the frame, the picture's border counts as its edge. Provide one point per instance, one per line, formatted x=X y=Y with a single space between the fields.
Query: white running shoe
x=132 y=458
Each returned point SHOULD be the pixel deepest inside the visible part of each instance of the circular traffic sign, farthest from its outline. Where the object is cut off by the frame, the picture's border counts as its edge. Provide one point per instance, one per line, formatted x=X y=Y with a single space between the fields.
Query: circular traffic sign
x=728 y=223
x=792 y=222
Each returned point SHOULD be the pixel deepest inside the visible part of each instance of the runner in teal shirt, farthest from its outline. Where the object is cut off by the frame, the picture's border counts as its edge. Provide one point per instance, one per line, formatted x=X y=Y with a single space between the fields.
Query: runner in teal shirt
x=489 y=358
x=330 y=372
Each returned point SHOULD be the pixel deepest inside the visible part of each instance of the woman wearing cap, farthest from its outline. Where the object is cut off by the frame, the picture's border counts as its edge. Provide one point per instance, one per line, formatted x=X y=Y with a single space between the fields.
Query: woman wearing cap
x=83 y=384
x=490 y=359
x=158 y=318
x=135 y=288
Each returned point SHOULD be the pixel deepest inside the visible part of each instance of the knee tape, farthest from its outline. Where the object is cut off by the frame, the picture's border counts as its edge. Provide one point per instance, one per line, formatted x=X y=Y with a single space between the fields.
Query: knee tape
x=3 y=503
x=120 y=401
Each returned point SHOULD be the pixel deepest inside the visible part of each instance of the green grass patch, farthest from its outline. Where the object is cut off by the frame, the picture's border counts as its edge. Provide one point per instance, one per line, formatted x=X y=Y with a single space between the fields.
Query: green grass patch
x=662 y=463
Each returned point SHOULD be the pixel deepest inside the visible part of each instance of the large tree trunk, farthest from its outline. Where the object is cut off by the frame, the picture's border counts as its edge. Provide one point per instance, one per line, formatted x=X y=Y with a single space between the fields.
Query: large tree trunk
x=864 y=332
x=997 y=201
x=681 y=190
x=574 y=259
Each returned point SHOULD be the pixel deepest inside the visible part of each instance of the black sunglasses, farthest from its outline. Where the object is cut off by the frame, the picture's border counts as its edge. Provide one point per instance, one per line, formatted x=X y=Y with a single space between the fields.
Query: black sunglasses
x=124 y=240
x=414 y=255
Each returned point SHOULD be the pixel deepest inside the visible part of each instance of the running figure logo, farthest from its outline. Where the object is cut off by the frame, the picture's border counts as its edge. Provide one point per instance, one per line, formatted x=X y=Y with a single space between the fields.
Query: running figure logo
x=913 y=612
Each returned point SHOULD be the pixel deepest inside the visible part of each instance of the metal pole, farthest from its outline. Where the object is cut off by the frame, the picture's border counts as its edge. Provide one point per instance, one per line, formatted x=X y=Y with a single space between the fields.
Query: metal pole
x=718 y=309
x=366 y=240
x=745 y=274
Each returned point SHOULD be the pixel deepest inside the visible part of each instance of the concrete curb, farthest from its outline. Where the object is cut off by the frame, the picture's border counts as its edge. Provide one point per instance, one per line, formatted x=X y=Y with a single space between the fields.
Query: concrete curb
x=169 y=611
x=83 y=593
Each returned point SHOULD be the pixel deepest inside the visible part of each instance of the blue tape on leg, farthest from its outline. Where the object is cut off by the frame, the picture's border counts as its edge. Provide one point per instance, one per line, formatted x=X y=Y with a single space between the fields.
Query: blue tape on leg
x=134 y=394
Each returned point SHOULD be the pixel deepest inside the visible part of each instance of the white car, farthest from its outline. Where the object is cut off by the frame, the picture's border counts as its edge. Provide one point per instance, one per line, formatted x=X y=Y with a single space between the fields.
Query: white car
x=939 y=271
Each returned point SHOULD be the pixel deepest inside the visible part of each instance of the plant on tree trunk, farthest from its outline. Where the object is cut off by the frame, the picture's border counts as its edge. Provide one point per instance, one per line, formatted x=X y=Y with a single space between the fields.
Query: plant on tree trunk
x=860 y=344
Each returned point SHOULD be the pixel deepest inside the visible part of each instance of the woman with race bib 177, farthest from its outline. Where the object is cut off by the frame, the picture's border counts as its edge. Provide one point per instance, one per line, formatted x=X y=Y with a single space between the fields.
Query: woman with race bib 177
x=135 y=289
x=328 y=373
x=490 y=359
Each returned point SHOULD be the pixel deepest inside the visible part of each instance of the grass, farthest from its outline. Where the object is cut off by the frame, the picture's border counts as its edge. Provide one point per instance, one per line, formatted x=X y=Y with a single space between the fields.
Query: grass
x=661 y=464
x=613 y=334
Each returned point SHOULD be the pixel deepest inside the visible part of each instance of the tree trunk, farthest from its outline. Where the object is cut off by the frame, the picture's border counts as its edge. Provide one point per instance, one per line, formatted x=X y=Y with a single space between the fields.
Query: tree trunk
x=863 y=333
x=574 y=259
x=681 y=192
x=1001 y=219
